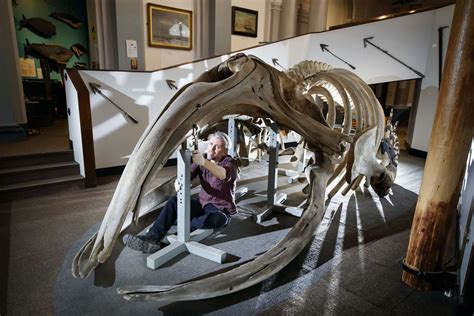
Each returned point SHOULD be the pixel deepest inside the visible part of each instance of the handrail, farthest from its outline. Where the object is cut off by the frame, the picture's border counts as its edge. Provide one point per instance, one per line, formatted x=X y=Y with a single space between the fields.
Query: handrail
x=390 y=16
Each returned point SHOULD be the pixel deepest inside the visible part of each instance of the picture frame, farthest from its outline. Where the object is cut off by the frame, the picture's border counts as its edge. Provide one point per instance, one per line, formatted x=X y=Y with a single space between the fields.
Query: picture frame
x=244 y=21
x=169 y=27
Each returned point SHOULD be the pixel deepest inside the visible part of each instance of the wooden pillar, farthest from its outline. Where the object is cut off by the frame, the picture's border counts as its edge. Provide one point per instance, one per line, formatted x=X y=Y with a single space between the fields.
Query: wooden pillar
x=275 y=20
x=318 y=13
x=449 y=145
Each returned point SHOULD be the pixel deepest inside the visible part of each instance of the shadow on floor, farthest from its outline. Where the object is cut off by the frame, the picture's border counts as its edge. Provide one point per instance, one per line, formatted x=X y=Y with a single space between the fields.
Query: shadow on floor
x=321 y=249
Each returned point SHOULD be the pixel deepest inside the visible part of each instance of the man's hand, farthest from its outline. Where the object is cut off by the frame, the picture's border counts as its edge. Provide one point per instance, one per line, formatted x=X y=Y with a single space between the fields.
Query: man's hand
x=177 y=185
x=198 y=158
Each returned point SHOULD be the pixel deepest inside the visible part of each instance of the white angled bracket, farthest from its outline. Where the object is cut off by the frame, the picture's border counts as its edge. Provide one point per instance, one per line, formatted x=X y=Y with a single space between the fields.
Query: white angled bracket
x=184 y=240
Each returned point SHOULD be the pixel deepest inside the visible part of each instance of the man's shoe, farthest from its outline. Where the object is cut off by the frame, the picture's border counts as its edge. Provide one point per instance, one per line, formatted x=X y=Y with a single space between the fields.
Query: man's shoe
x=141 y=243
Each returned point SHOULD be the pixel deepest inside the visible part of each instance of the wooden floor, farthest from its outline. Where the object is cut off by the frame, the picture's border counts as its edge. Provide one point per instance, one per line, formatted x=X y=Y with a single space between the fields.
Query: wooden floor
x=38 y=236
x=50 y=139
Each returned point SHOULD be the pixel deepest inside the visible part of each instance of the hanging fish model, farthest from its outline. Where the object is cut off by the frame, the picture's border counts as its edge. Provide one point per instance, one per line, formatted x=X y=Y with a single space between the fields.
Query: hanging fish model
x=69 y=19
x=53 y=52
x=39 y=26
x=78 y=50
x=80 y=65
x=53 y=55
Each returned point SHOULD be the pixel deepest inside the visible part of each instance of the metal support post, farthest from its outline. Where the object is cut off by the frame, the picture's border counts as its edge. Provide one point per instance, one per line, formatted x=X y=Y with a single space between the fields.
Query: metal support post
x=232 y=132
x=184 y=194
x=272 y=164
x=184 y=241
x=272 y=198
x=277 y=199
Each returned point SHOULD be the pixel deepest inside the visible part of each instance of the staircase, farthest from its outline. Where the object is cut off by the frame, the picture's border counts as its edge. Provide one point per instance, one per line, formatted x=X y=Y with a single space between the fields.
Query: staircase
x=37 y=174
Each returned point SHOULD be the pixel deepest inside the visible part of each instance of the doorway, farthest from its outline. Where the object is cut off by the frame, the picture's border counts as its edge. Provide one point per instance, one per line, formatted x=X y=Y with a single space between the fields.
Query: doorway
x=51 y=36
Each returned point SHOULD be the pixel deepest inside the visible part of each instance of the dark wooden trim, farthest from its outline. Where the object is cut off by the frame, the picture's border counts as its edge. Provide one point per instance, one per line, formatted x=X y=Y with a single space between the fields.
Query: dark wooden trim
x=85 y=119
x=291 y=144
x=110 y=171
x=390 y=16
x=415 y=152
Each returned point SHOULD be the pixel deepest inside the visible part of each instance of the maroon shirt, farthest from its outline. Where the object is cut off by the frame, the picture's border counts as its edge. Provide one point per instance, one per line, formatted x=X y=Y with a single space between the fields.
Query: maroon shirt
x=221 y=193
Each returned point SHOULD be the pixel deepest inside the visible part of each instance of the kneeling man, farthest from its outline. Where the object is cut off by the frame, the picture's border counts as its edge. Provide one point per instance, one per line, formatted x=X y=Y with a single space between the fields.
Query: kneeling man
x=213 y=207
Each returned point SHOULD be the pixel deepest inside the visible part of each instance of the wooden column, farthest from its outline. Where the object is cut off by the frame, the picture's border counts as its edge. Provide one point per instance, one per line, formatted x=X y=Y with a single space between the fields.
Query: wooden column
x=318 y=13
x=275 y=20
x=449 y=145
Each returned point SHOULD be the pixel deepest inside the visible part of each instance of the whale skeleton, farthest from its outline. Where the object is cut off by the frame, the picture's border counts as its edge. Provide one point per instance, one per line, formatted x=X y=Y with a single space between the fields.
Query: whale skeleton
x=245 y=85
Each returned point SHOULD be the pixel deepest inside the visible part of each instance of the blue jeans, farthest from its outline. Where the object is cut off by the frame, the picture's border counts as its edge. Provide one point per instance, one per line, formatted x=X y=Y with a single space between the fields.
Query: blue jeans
x=206 y=217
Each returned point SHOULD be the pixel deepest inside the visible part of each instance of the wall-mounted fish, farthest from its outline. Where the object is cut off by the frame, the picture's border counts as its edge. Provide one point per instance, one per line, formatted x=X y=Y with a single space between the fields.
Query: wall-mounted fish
x=69 y=19
x=39 y=26
x=53 y=52
x=80 y=65
x=52 y=57
x=78 y=50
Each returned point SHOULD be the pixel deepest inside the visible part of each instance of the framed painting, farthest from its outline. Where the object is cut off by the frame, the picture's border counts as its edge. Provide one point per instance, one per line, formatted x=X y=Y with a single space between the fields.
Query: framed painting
x=169 y=27
x=244 y=22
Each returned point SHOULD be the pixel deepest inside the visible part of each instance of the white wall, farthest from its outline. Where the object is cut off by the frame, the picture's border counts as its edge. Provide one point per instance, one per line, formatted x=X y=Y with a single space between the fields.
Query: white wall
x=425 y=111
x=129 y=27
x=407 y=38
x=144 y=95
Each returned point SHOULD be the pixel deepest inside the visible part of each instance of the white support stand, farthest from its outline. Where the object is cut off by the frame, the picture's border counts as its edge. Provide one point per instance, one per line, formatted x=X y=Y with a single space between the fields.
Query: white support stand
x=232 y=132
x=276 y=199
x=184 y=241
x=291 y=174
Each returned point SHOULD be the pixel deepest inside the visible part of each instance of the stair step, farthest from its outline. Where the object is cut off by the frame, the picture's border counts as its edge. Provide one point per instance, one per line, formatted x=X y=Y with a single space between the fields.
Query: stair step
x=40 y=187
x=37 y=172
x=36 y=159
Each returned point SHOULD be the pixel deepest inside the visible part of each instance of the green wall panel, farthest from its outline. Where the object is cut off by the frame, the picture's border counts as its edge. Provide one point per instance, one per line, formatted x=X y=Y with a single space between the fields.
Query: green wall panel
x=66 y=36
